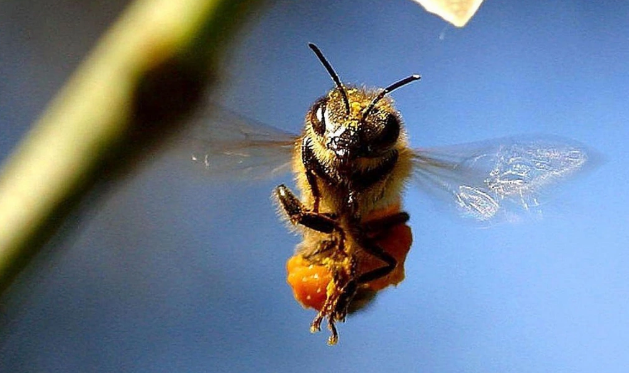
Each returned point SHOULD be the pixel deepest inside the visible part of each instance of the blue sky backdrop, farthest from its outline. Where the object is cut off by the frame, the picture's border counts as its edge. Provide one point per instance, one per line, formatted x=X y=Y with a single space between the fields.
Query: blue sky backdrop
x=172 y=271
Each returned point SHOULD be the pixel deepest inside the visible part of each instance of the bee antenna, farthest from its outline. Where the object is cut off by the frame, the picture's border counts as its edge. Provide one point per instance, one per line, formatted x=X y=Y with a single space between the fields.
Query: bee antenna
x=332 y=73
x=388 y=89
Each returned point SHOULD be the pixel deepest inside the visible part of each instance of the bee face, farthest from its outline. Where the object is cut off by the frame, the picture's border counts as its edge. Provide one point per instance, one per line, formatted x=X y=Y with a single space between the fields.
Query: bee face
x=354 y=128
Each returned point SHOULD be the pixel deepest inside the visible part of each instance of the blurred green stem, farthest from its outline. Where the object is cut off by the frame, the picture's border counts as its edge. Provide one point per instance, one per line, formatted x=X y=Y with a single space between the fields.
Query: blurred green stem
x=157 y=53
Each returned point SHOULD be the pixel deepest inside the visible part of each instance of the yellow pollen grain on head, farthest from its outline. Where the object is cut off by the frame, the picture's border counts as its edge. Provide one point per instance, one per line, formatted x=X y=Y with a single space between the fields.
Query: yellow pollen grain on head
x=355 y=108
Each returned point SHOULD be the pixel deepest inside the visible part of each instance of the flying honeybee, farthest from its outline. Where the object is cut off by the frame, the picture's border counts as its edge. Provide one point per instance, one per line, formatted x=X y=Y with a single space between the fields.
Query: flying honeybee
x=351 y=164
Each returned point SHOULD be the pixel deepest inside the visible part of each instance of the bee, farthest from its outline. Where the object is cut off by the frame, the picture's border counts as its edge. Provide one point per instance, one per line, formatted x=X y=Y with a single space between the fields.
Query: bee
x=351 y=164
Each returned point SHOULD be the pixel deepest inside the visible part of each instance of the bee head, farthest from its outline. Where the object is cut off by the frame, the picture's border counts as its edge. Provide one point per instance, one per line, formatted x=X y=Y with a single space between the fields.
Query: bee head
x=354 y=132
x=354 y=122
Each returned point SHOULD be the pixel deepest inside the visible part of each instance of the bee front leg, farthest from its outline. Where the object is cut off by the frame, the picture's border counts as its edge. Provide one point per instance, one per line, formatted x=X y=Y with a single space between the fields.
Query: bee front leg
x=312 y=181
x=310 y=163
x=300 y=215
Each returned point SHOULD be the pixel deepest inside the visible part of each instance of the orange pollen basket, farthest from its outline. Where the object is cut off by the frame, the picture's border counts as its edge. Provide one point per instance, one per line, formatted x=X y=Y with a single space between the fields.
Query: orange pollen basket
x=310 y=281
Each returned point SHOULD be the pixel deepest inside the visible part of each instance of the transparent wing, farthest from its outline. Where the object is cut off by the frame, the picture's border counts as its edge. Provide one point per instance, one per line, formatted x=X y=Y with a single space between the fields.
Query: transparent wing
x=227 y=144
x=501 y=178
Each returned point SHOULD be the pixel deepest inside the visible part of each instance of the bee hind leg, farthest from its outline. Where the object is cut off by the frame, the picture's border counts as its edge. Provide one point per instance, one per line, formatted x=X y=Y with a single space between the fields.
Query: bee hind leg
x=335 y=308
x=369 y=245
x=316 y=327
x=375 y=227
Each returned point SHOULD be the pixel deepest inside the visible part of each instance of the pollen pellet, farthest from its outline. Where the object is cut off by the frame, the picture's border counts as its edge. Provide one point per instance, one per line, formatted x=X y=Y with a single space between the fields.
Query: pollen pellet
x=307 y=281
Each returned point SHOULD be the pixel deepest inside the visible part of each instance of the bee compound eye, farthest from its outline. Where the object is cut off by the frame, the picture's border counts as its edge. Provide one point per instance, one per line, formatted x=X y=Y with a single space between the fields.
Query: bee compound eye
x=318 y=121
x=390 y=133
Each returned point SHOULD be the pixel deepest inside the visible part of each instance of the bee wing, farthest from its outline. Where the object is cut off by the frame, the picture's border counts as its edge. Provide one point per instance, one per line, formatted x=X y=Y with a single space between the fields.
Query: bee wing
x=499 y=179
x=228 y=144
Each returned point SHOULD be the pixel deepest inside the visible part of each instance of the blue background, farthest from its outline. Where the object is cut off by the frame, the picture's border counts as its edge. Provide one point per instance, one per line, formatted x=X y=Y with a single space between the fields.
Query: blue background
x=173 y=271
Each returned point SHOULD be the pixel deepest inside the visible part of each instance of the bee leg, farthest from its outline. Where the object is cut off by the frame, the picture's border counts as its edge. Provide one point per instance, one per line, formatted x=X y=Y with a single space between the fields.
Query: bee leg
x=299 y=214
x=310 y=164
x=315 y=327
x=334 y=337
x=323 y=247
x=336 y=306
x=370 y=246
x=312 y=181
x=375 y=228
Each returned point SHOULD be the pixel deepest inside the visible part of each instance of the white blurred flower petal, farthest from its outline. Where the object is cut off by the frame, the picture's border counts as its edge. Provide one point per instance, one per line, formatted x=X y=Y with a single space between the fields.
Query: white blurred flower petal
x=457 y=12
